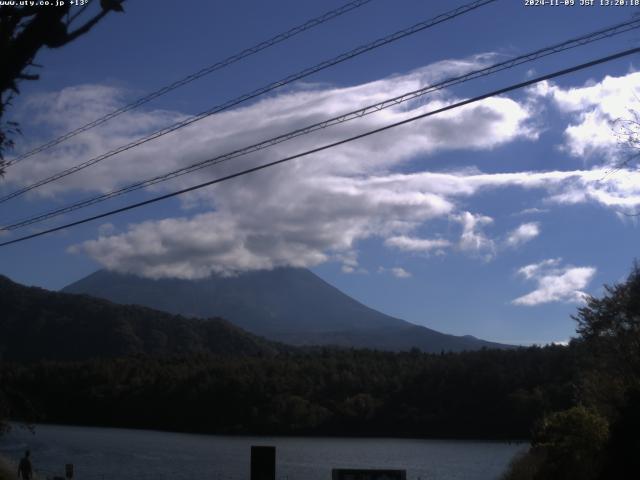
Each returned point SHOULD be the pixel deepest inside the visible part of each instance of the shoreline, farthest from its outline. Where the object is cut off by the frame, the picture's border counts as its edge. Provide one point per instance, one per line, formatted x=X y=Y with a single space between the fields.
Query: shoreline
x=307 y=435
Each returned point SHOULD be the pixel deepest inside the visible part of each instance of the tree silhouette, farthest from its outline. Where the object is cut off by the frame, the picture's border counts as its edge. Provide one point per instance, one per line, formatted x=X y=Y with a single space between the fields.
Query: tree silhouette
x=24 y=30
x=627 y=131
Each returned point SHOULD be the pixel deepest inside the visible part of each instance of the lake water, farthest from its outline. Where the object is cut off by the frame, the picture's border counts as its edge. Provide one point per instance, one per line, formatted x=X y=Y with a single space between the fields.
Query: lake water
x=120 y=454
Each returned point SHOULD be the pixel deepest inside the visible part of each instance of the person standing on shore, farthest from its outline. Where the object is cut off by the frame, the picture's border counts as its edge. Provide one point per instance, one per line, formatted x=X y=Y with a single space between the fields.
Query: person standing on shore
x=25 y=470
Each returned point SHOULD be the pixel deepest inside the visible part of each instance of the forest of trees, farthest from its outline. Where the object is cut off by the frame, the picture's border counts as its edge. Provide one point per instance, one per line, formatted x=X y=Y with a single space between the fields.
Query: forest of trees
x=486 y=394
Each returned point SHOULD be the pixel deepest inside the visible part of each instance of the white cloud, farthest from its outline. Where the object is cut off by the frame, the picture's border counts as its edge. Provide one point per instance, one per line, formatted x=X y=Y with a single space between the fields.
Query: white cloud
x=301 y=226
x=618 y=189
x=311 y=211
x=523 y=234
x=414 y=244
x=555 y=283
x=400 y=272
x=533 y=270
x=315 y=209
x=472 y=239
x=349 y=262
x=312 y=219
x=397 y=272
x=486 y=124
x=595 y=108
x=532 y=211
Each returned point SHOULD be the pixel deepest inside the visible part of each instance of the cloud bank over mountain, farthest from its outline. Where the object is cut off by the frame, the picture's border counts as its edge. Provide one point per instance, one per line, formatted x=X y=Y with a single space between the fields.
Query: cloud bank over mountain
x=319 y=208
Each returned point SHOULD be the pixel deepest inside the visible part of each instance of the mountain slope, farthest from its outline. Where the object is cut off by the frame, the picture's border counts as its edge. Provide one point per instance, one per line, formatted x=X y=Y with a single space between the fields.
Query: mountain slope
x=287 y=304
x=38 y=324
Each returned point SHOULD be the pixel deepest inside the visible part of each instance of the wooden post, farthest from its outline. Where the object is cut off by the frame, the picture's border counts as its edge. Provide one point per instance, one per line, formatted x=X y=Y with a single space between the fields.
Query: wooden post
x=263 y=463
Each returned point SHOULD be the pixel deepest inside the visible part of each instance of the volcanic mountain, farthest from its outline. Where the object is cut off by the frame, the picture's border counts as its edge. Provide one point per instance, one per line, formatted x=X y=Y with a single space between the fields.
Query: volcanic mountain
x=291 y=305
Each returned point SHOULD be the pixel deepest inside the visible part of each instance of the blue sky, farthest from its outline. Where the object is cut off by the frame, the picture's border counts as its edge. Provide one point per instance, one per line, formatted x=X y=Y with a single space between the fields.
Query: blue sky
x=492 y=220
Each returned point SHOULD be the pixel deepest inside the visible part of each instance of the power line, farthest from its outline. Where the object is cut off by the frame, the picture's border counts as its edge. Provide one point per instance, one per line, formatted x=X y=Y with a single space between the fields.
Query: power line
x=261 y=91
x=507 y=64
x=314 y=22
x=332 y=145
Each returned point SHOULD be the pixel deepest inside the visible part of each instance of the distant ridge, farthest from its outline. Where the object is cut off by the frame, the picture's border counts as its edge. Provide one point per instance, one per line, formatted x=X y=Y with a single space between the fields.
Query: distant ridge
x=37 y=324
x=291 y=305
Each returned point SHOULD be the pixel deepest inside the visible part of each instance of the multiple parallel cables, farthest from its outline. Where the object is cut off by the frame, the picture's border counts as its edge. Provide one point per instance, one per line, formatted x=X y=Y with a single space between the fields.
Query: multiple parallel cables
x=493 y=93
x=346 y=117
x=314 y=22
x=418 y=27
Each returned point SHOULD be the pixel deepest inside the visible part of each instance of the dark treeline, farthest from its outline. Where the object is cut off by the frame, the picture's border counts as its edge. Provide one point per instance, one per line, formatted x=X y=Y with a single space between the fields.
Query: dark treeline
x=484 y=394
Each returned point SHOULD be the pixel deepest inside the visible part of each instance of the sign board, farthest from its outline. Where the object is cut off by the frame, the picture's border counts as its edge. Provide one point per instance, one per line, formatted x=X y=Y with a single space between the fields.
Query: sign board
x=367 y=474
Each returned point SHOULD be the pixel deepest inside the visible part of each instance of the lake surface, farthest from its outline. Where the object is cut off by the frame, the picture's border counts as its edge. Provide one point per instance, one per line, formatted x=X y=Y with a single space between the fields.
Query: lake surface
x=120 y=454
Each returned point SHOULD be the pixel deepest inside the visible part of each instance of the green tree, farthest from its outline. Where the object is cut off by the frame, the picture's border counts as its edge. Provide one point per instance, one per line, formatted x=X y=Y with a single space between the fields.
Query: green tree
x=573 y=444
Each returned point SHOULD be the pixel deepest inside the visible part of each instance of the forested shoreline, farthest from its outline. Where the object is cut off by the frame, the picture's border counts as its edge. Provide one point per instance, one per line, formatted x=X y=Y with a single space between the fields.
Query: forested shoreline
x=487 y=394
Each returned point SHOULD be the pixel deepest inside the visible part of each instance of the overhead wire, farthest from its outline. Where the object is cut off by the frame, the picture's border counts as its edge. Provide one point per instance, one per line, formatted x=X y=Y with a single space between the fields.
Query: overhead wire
x=255 y=93
x=359 y=113
x=281 y=37
x=462 y=103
